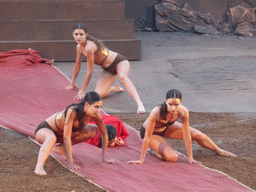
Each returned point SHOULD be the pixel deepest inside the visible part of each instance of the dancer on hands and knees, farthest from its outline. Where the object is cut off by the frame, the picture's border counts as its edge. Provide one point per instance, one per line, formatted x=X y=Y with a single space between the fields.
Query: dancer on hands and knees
x=113 y=139
x=69 y=127
x=162 y=122
x=112 y=64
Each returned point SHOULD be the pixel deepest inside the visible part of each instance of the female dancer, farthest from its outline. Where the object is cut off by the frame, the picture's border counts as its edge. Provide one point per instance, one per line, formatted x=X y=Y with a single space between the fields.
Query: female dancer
x=113 y=139
x=117 y=133
x=162 y=123
x=69 y=127
x=112 y=64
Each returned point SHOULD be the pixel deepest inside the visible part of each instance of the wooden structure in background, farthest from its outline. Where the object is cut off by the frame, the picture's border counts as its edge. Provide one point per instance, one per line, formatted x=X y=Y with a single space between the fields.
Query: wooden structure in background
x=46 y=26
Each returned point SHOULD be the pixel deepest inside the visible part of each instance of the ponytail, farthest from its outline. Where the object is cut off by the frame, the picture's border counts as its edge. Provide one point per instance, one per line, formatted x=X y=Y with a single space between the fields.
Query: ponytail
x=163 y=110
x=99 y=43
x=90 y=97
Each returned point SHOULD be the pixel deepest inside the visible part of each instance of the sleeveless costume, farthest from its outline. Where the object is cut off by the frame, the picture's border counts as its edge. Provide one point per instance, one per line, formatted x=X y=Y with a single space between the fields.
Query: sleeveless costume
x=100 y=57
x=112 y=68
x=143 y=130
x=44 y=124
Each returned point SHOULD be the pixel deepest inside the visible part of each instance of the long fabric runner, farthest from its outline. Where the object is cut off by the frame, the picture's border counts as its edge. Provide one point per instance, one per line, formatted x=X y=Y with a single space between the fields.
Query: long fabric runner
x=32 y=90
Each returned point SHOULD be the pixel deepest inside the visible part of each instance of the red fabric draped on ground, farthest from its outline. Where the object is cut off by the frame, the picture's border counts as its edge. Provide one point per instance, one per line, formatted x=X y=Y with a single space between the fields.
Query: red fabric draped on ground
x=33 y=90
x=117 y=123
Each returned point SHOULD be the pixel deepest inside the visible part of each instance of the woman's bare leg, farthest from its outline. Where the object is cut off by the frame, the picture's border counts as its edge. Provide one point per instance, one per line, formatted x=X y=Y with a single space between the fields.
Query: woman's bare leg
x=47 y=138
x=88 y=132
x=103 y=86
x=162 y=149
x=175 y=132
x=123 y=70
x=206 y=142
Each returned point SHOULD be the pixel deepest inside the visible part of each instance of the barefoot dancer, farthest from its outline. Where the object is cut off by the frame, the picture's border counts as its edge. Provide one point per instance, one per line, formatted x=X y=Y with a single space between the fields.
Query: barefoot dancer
x=112 y=64
x=70 y=127
x=162 y=123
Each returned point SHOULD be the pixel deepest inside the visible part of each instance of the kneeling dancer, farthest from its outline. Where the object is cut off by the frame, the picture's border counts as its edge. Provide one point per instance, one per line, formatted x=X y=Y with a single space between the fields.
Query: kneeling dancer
x=69 y=127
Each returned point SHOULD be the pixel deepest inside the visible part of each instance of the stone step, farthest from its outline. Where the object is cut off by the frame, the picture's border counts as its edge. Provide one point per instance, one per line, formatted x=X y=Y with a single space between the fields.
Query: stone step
x=44 y=10
x=62 y=29
x=65 y=50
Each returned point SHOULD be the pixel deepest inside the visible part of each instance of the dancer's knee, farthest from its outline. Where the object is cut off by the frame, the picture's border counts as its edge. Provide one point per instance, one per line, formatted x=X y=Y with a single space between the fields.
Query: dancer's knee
x=123 y=77
x=45 y=136
x=90 y=130
x=51 y=139
x=171 y=157
x=94 y=131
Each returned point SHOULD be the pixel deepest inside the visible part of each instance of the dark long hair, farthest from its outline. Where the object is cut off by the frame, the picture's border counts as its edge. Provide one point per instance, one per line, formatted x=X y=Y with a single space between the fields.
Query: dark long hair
x=173 y=93
x=99 y=43
x=90 y=97
x=112 y=133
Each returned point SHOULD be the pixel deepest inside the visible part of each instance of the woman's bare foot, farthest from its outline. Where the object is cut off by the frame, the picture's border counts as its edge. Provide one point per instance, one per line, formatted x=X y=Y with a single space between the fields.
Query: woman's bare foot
x=117 y=88
x=222 y=152
x=61 y=151
x=40 y=171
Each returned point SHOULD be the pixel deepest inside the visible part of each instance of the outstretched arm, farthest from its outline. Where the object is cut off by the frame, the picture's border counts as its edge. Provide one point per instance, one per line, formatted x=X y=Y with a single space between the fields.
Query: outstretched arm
x=89 y=53
x=67 y=138
x=99 y=122
x=186 y=135
x=148 y=134
x=76 y=69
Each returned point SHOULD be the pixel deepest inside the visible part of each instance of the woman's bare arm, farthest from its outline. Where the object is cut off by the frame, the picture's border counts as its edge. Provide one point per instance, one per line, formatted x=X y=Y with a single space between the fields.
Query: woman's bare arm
x=186 y=133
x=67 y=136
x=151 y=121
x=99 y=122
x=77 y=67
x=89 y=53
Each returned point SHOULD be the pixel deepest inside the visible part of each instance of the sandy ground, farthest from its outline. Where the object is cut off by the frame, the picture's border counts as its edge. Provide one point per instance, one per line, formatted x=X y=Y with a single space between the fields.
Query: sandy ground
x=234 y=132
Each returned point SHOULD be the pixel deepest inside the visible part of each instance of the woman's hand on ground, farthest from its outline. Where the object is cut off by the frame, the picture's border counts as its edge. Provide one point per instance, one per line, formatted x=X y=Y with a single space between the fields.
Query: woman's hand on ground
x=111 y=161
x=193 y=161
x=71 y=87
x=135 y=162
x=80 y=95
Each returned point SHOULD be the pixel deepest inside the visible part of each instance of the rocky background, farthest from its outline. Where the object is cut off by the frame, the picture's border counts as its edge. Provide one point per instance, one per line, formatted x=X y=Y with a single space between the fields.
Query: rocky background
x=216 y=17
